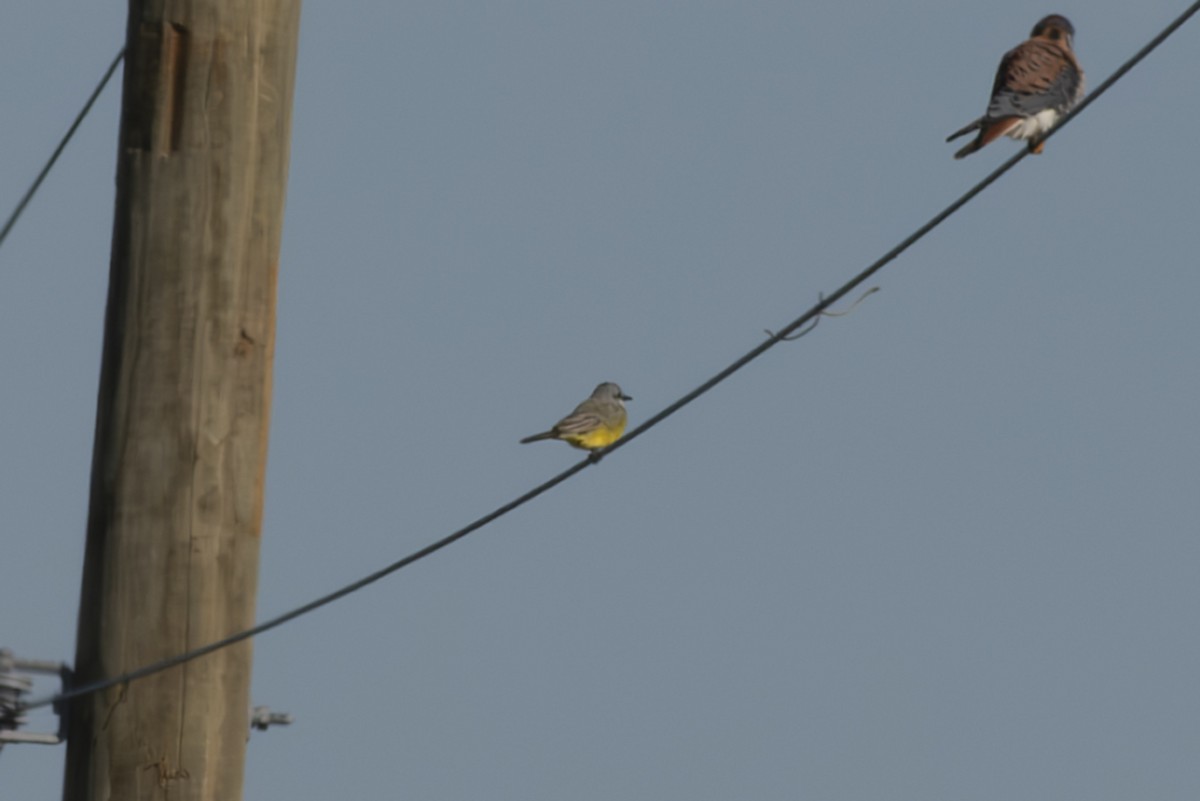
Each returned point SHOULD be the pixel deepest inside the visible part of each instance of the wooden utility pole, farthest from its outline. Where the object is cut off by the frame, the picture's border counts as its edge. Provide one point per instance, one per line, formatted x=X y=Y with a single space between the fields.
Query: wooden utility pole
x=185 y=388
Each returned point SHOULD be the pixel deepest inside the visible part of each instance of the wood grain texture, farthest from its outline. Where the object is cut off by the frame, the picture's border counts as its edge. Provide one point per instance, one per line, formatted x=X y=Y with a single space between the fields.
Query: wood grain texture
x=183 y=408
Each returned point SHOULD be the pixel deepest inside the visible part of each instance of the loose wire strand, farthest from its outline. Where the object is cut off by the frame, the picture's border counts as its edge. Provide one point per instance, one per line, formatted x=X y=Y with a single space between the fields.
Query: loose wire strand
x=780 y=336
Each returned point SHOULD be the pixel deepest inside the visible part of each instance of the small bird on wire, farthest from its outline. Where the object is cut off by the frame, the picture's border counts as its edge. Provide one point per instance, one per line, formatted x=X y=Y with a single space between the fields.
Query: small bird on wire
x=1037 y=83
x=596 y=423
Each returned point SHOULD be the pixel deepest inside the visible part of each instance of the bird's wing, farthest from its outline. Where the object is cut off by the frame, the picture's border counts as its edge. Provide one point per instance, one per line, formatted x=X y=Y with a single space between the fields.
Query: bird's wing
x=580 y=421
x=1033 y=77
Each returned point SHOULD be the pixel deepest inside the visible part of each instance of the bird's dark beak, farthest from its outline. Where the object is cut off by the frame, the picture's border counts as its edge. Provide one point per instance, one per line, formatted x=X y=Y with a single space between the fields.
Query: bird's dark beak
x=626 y=397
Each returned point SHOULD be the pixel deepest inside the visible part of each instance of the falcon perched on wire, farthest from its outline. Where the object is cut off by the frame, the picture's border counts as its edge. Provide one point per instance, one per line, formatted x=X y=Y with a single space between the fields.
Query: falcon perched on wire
x=1037 y=83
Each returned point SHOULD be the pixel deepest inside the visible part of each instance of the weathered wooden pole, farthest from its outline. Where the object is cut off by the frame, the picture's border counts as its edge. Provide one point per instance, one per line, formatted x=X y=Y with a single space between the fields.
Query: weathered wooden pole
x=185 y=388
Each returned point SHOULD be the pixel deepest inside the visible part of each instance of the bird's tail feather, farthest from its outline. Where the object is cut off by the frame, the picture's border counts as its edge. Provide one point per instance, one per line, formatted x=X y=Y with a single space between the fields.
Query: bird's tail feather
x=535 y=437
x=988 y=133
x=969 y=148
x=965 y=130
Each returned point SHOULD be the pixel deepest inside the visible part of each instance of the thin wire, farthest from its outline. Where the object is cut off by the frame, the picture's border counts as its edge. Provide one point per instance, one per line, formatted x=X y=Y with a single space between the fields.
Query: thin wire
x=775 y=339
x=37 y=182
x=849 y=286
x=179 y=659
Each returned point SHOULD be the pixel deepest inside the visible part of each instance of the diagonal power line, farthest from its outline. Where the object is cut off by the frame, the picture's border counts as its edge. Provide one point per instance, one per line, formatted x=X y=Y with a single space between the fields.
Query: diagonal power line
x=37 y=182
x=791 y=328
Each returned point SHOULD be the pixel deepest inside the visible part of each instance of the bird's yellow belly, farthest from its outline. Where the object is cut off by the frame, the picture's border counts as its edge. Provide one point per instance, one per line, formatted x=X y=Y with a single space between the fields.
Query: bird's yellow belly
x=600 y=438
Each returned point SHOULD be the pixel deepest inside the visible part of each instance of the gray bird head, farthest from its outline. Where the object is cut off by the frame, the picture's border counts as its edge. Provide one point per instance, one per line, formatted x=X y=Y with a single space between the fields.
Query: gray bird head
x=609 y=391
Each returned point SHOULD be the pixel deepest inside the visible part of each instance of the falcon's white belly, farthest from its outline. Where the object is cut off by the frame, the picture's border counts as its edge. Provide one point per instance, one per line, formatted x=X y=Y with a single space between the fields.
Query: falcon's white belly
x=1038 y=124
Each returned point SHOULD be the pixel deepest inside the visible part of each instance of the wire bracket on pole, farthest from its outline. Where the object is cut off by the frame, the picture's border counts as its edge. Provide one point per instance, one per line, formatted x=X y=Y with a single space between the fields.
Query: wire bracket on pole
x=14 y=685
x=262 y=718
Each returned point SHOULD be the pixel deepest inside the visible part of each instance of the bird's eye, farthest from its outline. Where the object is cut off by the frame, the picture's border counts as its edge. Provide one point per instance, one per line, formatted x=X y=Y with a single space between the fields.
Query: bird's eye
x=1055 y=34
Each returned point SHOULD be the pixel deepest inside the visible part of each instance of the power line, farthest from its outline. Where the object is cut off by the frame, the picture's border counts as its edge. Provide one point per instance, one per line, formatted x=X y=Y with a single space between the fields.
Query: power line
x=775 y=338
x=37 y=182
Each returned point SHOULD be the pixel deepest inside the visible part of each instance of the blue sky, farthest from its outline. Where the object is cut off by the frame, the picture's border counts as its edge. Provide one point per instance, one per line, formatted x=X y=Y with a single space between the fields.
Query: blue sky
x=945 y=547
